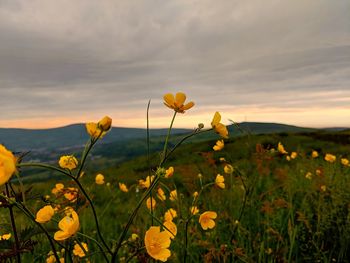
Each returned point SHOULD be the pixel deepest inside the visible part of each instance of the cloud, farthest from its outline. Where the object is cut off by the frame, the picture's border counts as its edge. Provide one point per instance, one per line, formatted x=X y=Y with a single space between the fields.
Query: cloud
x=67 y=58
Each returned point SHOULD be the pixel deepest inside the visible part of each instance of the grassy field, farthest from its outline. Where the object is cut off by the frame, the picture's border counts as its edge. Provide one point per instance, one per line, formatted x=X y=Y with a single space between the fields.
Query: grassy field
x=273 y=208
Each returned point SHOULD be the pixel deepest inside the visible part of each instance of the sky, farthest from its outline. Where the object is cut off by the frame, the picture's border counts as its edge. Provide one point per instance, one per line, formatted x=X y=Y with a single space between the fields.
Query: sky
x=64 y=62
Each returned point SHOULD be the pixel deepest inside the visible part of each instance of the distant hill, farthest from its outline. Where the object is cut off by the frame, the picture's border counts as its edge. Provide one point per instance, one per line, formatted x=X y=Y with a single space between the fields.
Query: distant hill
x=74 y=136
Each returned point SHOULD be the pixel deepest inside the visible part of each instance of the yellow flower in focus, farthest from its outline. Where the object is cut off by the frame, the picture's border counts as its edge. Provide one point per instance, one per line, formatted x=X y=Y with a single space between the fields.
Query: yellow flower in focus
x=157 y=243
x=105 y=124
x=293 y=155
x=99 y=179
x=7 y=164
x=44 y=214
x=330 y=158
x=161 y=194
x=173 y=195
x=281 y=149
x=228 y=169
x=344 y=162
x=169 y=172
x=194 y=210
x=207 y=220
x=177 y=103
x=58 y=188
x=151 y=202
x=314 y=154
x=5 y=236
x=170 y=214
x=219 y=145
x=69 y=225
x=219 y=181
x=171 y=228
x=219 y=127
x=94 y=131
x=78 y=251
x=147 y=182
x=68 y=162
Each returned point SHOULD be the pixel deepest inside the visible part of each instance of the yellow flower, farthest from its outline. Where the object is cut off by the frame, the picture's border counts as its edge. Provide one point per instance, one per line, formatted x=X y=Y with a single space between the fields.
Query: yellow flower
x=219 y=145
x=71 y=194
x=170 y=214
x=195 y=194
x=219 y=127
x=78 y=251
x=169 y=172
x=344 y=162
x=293 y=155
x=147 y=182
x=69 y=225
x=219 y=181
x=170 y=225
x=51 y=258
x=330 y=158
x=228 y=169
x=134 y=237
x=308 y=175
x=288 y=158
x=177 y=103
x=314 y=154
x=7 y=164
x=44 y=214
x=98 y=130
x=318 y=172
x=68 y=162
x=5 y=236
x=105 y=124
x=100 y=179
x=161 y=194
x=173 y=195
x=157 y=243
x=281 y=149
x=207 y=220
x=194 y=210
x=323 y=188
x=123 y=188
x=58 y=188
x=150 y=202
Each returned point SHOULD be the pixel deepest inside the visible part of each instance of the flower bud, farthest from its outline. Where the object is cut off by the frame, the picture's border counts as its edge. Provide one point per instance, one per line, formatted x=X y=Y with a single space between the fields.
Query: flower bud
x=105 y=124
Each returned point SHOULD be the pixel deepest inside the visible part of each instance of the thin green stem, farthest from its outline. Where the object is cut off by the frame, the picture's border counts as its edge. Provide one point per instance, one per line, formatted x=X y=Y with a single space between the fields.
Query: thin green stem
x=167 y=138
x=13 y=224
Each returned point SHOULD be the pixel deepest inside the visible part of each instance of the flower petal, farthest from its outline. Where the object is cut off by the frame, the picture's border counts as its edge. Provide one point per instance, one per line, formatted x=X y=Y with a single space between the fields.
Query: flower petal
x=180 y=98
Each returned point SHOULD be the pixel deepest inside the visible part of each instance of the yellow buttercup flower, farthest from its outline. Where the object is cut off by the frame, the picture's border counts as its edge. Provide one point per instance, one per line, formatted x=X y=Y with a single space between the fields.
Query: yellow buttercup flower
x=207 y=220
x=105 y=124
x=71 y=194
x=44 y=214
x=51 y=258
x=5 y=236
x=330 y=158
x=151 y=202
x=219 y=145
x=281 y=149
x=195 y=194
x=293 y=155
x=57 y=189
x=194 y=210
x=169 y=172
x=170 y=214
x=68 y=225
x=177 y=103
x=228 y=169
x=314 y=154
x=68 y=162
x=99 y=179
x=345 y=162
x=98 y=130
x=157 y=243
x=7 y=164
x=173 y=195
x=308 y=175
x=78 y=251
x=171 y=228
x=147 y=182
x=219 y=127
x=123 y=188
x=323 y=188
x=219 y=181
x=160 y=194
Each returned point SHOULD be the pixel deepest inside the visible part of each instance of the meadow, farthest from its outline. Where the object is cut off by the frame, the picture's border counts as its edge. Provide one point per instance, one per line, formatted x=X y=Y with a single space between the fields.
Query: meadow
x=281 y=197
